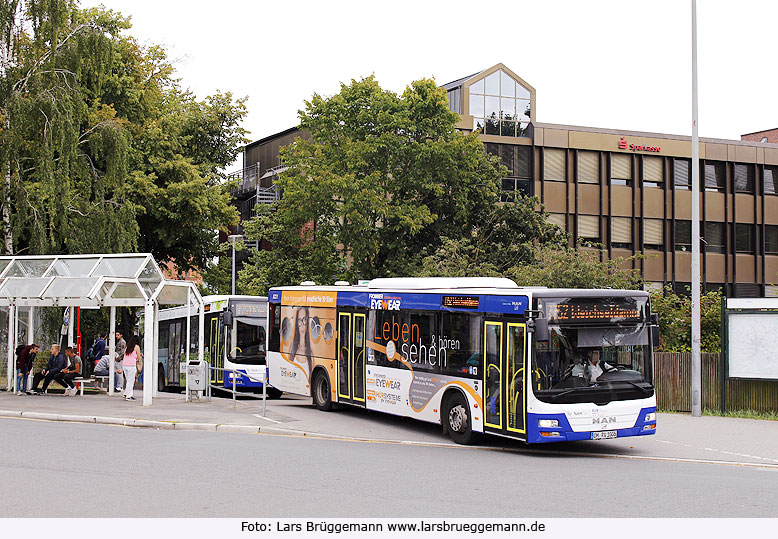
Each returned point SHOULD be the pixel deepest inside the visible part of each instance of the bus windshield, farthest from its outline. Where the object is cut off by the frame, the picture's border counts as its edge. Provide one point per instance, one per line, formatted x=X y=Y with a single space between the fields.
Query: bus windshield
x=250 y=344
x=600 y=353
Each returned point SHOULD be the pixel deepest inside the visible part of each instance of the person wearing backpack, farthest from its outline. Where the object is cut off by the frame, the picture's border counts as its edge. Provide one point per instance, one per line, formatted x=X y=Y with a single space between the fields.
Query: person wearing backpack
x=24 y=360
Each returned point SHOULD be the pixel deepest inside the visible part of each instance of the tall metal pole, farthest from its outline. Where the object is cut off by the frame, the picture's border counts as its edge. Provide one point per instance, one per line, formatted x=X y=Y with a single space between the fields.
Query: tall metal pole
x=696 y=340
x=233 y=267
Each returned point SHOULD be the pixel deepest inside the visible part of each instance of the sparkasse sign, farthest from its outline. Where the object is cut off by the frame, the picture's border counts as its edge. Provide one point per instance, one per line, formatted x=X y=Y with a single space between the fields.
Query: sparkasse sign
x=624 y=145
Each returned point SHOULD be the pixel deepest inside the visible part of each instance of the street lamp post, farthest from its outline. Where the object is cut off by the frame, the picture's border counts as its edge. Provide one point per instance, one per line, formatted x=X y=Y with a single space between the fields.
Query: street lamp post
x=233 y=238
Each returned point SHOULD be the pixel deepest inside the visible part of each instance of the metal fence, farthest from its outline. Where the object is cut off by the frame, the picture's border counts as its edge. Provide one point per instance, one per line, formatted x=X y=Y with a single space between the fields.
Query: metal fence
x=672 y=380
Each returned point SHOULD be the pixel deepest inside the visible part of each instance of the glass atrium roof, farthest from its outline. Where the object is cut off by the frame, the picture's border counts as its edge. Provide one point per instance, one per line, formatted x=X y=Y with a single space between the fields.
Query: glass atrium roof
x=122 y=280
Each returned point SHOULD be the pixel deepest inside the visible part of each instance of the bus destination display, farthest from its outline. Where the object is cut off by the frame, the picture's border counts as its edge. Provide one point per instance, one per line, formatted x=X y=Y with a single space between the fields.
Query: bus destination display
x=594 y=311
x=461 y=302
x=250 y=309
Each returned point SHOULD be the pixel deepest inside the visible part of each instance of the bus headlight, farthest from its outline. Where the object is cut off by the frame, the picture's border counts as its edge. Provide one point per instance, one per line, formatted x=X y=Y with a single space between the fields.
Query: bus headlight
x=548 y=423
x=651 y=417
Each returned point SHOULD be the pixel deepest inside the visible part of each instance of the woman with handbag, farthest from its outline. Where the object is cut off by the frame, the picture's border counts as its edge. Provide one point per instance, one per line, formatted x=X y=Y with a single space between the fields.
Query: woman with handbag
x=132 y=355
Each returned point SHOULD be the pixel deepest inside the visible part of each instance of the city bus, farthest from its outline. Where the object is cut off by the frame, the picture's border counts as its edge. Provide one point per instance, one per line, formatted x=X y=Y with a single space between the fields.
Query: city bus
x=476 y=355
x=235 y=340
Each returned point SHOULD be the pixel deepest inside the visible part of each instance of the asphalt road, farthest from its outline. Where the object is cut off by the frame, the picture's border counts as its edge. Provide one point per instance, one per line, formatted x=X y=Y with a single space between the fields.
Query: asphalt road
x=144 y=472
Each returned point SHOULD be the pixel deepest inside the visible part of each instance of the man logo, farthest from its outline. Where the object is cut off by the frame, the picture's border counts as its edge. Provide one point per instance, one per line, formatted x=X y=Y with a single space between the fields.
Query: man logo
x=596 y=420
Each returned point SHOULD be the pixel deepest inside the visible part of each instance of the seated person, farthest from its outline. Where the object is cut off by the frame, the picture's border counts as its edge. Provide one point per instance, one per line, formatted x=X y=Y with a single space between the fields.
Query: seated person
x=66 y=375
x=57 y=362
x=595 y=367
x=103 y=369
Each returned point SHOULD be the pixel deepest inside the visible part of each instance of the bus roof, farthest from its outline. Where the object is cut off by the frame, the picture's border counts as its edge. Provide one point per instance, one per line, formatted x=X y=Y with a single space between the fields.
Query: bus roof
x=469 y=285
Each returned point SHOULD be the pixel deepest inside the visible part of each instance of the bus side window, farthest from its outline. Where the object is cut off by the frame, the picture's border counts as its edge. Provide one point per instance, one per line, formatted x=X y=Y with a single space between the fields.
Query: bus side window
x=274 y=345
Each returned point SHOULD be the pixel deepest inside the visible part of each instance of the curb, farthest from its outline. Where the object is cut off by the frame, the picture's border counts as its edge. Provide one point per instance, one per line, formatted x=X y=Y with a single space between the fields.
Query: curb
x=146 y=423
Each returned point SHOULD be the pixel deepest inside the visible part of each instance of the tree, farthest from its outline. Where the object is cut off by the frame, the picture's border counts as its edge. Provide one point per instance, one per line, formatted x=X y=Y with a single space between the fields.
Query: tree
x=675 y=320
x=383 y=178
x=101 y=149
x=567 y=267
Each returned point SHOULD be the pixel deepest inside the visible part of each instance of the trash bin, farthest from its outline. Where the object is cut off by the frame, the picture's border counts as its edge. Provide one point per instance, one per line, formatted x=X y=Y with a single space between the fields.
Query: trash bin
x=196 y=376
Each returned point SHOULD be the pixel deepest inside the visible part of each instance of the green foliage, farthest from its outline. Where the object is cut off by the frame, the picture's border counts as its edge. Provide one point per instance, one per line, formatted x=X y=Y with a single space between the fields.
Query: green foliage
x=100 y=148
x=384 y=182
x=675 y=320
x=507 y=237
x=577 y=268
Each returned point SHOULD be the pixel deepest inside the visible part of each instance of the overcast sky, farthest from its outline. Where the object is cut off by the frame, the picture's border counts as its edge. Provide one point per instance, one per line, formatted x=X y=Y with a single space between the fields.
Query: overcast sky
x=611 y=64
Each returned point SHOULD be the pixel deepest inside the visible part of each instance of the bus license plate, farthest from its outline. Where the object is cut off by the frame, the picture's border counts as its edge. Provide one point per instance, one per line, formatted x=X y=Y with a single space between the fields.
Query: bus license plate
x=603 y=435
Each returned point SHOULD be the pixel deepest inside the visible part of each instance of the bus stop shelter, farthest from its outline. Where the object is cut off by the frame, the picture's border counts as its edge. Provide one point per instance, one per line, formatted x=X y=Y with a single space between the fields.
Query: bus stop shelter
x=95 y=281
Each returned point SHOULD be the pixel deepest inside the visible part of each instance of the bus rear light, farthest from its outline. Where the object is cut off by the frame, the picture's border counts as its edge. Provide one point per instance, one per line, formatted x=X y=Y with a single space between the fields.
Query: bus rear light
x=551 y=434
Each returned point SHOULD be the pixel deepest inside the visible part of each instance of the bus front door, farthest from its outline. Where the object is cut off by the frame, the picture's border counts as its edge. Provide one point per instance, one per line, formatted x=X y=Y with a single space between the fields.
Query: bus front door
x=505 y=399
x=351 y=358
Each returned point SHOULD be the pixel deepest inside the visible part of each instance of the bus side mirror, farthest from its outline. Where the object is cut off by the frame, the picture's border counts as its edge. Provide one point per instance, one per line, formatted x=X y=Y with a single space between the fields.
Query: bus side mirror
x=541 y=329
x=227 y=318
x=655 y=330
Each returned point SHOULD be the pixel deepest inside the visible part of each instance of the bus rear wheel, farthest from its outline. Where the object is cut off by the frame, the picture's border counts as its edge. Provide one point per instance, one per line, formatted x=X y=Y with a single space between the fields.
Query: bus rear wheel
x=457 y=417
x=322 y=398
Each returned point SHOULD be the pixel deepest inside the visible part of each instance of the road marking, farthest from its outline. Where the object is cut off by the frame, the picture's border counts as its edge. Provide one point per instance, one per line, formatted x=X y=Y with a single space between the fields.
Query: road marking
x=720 y=451
x=268 y=419
x=529 y=451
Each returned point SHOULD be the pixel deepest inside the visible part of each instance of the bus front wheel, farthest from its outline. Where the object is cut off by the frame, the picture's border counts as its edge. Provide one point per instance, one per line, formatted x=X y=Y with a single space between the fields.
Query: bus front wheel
x=321 y=392
x=458 y=420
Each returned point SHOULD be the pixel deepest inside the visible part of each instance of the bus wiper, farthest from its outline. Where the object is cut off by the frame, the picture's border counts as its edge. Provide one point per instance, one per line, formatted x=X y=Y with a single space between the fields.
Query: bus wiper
x=645 y=391
x=565 y=392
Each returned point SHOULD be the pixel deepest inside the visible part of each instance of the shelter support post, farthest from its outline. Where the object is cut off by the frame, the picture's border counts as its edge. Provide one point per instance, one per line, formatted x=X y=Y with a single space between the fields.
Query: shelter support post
x=30 y=325
x=112 y=351
x=201 y=332
x=151 y=355
x=148 y=345
x=11 y=346
x=71 y=323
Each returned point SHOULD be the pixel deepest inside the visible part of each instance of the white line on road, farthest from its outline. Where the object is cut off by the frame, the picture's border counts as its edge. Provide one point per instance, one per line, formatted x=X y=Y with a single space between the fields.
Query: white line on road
x=721 y=451
x=267 y=419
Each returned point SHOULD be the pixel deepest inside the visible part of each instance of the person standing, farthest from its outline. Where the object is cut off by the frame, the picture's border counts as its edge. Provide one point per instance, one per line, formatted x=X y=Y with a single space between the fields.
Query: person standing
x=121 y=347
x=129 y=365
x=24 y=366
x=66 y=375
x=57 y=362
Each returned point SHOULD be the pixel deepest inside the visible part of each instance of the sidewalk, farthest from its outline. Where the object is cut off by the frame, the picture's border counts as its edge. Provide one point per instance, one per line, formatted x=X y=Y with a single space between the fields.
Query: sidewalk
x=678 y=436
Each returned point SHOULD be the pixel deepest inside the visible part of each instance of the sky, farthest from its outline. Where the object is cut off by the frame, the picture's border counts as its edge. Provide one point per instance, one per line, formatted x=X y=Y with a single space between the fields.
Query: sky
x=612 y=64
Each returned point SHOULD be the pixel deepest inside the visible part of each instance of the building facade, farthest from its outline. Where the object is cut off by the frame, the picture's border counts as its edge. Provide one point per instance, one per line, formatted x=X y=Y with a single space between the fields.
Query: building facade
x=628 y=191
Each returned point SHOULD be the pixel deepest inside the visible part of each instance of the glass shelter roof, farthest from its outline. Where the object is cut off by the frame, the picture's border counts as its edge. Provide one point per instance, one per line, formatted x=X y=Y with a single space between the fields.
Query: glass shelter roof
x=95 y=280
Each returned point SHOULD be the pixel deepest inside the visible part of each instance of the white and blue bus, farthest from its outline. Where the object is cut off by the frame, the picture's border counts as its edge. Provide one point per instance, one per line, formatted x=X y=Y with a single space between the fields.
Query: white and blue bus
x=477 y=355
x=235 y=342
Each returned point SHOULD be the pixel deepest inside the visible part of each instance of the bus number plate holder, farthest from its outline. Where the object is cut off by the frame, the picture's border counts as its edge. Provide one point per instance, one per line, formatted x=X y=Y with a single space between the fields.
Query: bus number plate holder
x=603 y=435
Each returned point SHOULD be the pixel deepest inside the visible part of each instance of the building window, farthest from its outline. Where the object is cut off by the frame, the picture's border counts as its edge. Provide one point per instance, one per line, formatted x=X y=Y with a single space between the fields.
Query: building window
x=770 y=175
x=681 y=168
x=714 y=237
x=554 y=164
x=516 y=159
x=589 y=227
x=455 y=99
x=621 y=169
x=557 y=219
x=744 y=238
x=715 y=176
x=652 y=171
x=744 y=178
x=653 y=236
x=682 y=289
x=771 y=240
x=588 y=167
x=683 y=235
x=500 y=105
x=621 y=233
